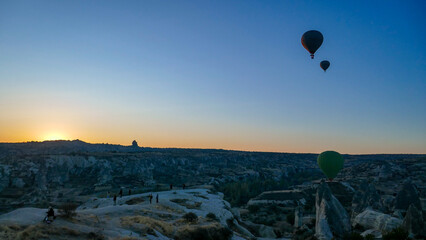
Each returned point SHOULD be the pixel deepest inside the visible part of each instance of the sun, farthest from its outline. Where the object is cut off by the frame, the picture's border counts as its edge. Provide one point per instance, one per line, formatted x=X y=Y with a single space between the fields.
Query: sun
x=53 y=137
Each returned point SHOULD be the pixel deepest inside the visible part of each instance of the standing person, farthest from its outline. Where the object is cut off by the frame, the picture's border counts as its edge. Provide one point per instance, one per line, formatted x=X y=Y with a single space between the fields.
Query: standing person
x=108 y=194
x=130 y=192
x=183 y=186
x=121 y=193
x=156 y=198
x=51 y=212
x=171 y=186
x=150 y=198
x=115 y=199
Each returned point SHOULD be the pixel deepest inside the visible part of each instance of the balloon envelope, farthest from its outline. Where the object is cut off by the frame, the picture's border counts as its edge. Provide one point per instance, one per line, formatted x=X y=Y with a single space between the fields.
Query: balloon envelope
x=324 y=65
x=330 y=163
x=311 y=41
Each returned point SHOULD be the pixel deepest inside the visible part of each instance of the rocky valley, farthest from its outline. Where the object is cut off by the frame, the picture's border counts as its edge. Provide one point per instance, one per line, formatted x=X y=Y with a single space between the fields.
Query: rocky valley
x=233 y=194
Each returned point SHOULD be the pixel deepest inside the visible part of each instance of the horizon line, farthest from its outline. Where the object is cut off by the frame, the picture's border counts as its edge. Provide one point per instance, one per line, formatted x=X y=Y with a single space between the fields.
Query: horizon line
x=195 y=148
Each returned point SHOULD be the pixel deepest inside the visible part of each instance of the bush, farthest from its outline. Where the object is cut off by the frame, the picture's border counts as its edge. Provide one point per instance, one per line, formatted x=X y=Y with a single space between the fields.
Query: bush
x=230 y=222
x=253 y=208
x=353 y=236
x=190 y=217
x=144 y=225
x=211 y=216
x=369 y=237
x=68 y=209
x=290 y=218
x=214 y=231
x=358 y=227
x=396 y=234
x=303 y=234
x=312 y=223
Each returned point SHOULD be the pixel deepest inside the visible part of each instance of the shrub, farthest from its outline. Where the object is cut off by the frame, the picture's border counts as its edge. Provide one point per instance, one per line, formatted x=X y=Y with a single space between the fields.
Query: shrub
x=304 y=234
x=353 y=236
x=95 y=236
x=43 y=231
x=134 y=201
x=396 y=234
x=359 y=227
x=290 y=218
x=146 y=224
x=312 y=223
x=369 y=237
x=211 y=216
x=190 y=217
x=230 y=222
x=253 y=208
x=213 y=231
x=68 y=209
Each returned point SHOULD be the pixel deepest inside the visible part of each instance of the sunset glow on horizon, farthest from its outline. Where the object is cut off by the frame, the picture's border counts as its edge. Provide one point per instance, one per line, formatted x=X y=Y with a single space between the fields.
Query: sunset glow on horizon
x=224 y=75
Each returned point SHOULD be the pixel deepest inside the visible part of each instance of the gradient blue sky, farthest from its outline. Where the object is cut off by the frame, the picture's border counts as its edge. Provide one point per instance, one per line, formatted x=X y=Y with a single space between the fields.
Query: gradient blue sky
x=216 y=74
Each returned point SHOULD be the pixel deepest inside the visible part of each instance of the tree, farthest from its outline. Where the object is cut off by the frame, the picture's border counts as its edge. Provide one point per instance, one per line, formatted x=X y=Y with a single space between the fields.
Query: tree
x=68 y=209
x=190 y=217
x=396 y=234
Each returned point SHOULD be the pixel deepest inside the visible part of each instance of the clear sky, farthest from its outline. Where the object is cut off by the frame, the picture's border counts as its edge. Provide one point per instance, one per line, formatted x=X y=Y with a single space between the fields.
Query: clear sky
x=215 y=74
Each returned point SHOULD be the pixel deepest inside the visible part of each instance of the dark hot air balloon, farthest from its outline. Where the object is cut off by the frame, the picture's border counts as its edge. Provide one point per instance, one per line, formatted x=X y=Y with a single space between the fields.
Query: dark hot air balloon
x=311 y=41
x=330 y=163
x=324 y=65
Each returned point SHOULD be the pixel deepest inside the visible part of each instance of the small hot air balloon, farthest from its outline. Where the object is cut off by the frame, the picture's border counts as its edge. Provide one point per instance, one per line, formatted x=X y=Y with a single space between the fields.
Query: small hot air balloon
x=311 y=41
x=330 y=163
x=324 y=65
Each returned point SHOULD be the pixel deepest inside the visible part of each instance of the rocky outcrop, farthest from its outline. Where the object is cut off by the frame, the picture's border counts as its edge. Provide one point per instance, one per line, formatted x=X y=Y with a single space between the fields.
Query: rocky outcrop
x=343 y=191
x=4 y=176
x=371 y=219
x=298 y=217
x=288 y=198
x=376 y=234
x=414 y=222
x=365 y=197
x=406 y=196
x=266 y=232
x=387 y=201
x=385 y=171
x=332 y=220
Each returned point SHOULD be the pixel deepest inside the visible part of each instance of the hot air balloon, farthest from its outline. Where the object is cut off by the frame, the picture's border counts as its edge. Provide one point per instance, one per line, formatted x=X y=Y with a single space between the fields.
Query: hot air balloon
x=324 y=65
x=311 y=41
x=330 y=163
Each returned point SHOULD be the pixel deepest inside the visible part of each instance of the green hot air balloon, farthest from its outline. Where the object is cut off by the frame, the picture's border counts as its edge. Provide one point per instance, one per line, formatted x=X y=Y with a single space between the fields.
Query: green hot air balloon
x=330 y=163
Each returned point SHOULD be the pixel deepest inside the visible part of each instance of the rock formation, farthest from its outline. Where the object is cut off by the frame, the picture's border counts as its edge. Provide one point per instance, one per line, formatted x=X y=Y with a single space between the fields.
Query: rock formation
x=298 y=217
x=366 y=196
x=406 y=196
x=371 y=219
x=414 y=222
x=343 y=191
x=332 y=220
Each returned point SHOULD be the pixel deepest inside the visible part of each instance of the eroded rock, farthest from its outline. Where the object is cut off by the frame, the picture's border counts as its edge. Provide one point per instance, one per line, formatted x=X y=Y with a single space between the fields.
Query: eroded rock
x=371 y=219
x=414 y=222
x=406 y=196
x=332 y=220
x=365 y=197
